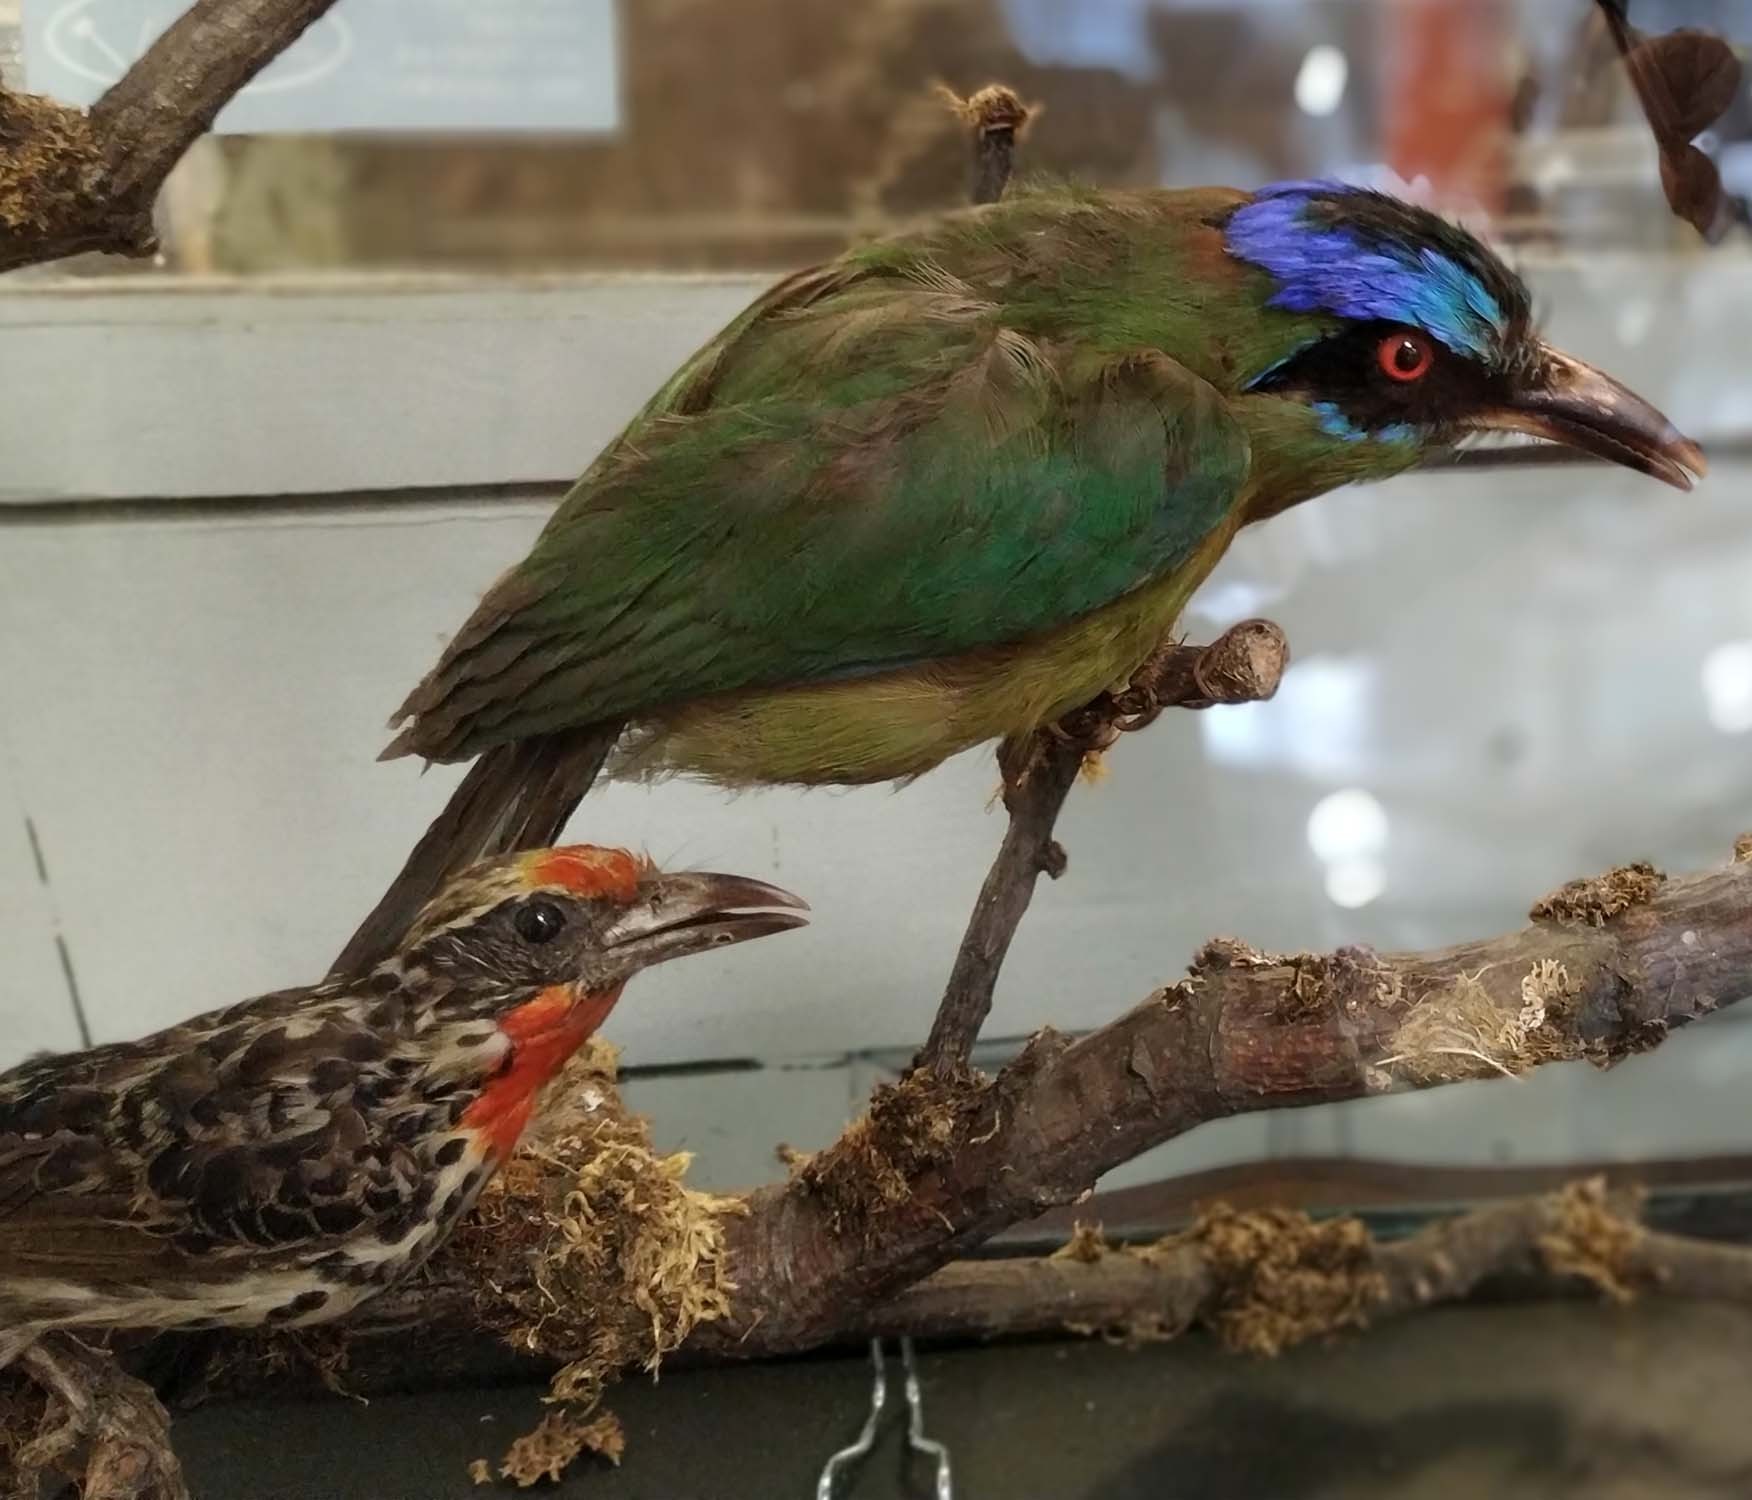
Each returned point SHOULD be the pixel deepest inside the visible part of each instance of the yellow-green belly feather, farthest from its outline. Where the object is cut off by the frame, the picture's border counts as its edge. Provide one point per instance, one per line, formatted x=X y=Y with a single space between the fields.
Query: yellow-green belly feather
x=902 y=723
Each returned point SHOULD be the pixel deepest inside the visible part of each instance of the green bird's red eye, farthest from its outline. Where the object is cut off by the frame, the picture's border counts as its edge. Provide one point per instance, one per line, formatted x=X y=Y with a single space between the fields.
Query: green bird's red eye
x=1405 y=356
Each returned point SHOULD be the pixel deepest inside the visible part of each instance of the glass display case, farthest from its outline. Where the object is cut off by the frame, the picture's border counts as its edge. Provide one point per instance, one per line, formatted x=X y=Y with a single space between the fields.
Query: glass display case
x=435 y=259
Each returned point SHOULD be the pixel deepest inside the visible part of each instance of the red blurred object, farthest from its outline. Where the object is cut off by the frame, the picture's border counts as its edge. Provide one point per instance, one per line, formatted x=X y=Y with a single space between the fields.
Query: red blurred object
x=1447 y=92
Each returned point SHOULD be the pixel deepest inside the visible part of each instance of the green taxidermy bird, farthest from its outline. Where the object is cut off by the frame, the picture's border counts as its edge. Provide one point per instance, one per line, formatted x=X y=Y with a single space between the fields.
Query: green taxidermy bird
x=959 y=481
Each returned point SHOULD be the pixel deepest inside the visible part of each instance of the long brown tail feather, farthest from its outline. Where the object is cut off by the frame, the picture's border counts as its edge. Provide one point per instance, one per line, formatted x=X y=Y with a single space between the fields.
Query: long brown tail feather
x=517 y=796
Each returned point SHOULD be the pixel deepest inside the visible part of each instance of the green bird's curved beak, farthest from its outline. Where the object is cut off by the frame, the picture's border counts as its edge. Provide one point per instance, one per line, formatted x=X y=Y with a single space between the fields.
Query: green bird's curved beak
x=1574 y=404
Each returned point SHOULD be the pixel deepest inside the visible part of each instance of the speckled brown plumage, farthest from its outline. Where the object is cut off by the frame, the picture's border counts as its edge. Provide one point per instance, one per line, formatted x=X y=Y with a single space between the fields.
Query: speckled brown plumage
x=282 y=1159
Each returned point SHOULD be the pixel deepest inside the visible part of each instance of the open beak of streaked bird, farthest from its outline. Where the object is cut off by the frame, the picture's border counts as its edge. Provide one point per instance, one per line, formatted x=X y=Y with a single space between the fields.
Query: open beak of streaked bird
x=689 y=912
x=1574 y=404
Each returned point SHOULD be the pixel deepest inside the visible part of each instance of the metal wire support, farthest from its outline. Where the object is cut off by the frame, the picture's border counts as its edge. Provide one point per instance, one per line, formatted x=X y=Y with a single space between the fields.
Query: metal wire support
x=915 y=1427
x=859 y=1450
x=915 y=1424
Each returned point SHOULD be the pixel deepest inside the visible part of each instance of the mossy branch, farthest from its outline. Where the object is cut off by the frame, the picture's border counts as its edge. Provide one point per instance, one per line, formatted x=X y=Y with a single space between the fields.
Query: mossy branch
x=74 y=181
x=1259 y=1280
x=1266 y=1279
x=936 y=1167
x=868 y=1236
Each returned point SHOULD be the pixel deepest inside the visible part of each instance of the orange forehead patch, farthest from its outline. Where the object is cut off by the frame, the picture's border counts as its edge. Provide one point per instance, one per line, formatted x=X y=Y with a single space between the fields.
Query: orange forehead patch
x=586 y=870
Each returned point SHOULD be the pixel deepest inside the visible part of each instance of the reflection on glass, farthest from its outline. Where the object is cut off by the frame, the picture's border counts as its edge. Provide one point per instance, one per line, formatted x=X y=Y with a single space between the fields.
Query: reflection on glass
x=1347 y=823
x=1320 y=81
x=1727 y=686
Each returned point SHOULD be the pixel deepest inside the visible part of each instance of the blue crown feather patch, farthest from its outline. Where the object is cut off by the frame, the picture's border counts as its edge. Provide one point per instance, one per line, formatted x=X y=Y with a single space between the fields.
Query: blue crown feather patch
x=1323 y=263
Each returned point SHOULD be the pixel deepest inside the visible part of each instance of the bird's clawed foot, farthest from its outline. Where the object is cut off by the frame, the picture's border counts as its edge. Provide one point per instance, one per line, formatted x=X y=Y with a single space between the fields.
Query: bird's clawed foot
x=1086 y=733
x=102 y=1427
x=1243 y=665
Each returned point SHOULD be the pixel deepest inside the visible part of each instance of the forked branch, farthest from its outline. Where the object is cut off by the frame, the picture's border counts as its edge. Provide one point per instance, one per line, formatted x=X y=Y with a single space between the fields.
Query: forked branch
x=72 y=181
x=1243 y=665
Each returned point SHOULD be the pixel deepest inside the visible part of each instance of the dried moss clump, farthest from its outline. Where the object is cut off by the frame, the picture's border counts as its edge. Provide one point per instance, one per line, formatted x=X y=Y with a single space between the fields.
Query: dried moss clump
x=909 y=1128
x=1595 y=1242
x=47 y=156
x=1320 y=984
x=995 y=107
x=554 y=1445
x=1085 y=1246
x=1596 y=901
x=792 y=1158
x=1280 y=1277
x=1231 y=953
x=24 y=1418
x=1462 y=1031
x=628 y=1260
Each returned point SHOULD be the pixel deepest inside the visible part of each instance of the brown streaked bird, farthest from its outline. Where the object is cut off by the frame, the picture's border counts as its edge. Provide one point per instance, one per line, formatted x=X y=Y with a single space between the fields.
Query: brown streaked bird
x=281 y=1160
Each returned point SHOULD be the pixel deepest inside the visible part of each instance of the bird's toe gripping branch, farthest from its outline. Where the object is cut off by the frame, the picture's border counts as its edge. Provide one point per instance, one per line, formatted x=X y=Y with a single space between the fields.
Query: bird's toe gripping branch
x=1243 y=665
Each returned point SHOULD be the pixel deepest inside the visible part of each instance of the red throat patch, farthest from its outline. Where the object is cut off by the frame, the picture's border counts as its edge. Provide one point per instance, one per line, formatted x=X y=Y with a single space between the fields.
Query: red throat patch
x=543 y=1032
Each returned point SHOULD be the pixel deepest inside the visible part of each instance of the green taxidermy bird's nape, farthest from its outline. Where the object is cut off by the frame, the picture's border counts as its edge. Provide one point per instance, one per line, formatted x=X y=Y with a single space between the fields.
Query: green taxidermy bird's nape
x=961 y=480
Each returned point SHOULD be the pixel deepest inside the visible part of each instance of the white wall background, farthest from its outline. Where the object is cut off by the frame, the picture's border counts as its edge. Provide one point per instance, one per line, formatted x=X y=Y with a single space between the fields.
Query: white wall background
x=204 y=622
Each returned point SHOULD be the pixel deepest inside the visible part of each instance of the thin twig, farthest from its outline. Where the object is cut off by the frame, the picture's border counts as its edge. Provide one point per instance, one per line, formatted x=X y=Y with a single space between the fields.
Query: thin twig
x=73 y=182
x=1243 y=665
x=997 y=119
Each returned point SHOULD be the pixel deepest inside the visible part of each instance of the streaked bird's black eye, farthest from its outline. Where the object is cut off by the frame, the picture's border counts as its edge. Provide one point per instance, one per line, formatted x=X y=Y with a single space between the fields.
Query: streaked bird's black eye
x=539 y=922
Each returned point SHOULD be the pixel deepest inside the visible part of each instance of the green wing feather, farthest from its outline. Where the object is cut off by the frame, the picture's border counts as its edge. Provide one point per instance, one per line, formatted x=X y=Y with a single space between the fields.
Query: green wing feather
x=873 y=467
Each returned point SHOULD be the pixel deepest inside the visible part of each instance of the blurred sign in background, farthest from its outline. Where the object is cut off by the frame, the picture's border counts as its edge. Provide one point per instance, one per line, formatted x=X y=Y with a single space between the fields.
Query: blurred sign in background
x=443 y=65
x=503 y=135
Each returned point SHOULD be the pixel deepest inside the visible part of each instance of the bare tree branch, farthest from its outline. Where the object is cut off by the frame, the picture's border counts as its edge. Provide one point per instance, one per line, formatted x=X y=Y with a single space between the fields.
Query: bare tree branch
x=1261 y=1280
x=72 y=181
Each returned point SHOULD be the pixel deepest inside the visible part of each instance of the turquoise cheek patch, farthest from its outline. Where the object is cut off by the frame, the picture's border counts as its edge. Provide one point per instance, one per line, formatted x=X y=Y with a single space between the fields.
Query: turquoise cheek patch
x=1334 y=423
